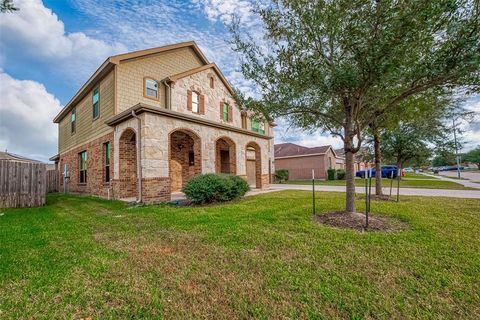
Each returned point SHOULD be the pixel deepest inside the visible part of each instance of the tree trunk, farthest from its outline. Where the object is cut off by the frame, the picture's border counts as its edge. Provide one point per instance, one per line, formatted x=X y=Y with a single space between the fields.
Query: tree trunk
x=378 y=164
x=349 y=176
x=399 y=167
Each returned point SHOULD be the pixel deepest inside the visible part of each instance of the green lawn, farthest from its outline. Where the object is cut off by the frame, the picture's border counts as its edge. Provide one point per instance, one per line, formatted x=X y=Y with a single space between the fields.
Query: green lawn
x=414 y=175
x=260 y=257
x=413 y=183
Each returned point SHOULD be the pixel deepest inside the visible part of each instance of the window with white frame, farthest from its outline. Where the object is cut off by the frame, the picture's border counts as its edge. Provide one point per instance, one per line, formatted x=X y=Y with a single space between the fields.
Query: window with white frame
x=151 y=88
x=195 y=102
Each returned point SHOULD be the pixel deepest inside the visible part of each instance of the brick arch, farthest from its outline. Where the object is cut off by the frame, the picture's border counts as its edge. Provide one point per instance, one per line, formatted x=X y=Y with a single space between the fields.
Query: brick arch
x=184 y=157
x=253 y=164
x=225 y=156
x=127 y=151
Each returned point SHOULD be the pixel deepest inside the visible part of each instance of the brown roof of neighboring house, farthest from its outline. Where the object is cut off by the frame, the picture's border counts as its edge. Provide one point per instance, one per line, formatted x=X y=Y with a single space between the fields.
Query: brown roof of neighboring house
x=294 y=150
x=110 y=62
x=15 y=157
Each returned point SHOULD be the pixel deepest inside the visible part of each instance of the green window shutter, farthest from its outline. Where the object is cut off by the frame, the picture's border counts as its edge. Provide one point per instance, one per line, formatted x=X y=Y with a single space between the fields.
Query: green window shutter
x=73 y=121
x=225 y=111
x=255 y=125
x=107 y=154
x=96 y=103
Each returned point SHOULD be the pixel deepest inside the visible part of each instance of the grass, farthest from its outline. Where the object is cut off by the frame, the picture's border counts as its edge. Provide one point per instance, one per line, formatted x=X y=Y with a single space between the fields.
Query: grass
x=411 y=183
x=260 y=257
x=414 y=175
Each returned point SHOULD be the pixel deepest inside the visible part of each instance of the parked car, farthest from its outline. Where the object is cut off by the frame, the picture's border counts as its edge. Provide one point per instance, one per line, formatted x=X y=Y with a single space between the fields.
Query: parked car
x=408 y=170
x=387 y=172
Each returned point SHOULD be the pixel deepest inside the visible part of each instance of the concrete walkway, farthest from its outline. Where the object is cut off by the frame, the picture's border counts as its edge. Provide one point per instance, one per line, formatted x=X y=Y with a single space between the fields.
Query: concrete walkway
x=466 y=183
x=471 y=194
x=472 y=175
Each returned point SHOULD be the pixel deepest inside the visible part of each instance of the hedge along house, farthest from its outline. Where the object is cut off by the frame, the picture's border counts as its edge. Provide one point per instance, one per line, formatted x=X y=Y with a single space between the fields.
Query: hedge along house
x=300 y=161
x=147 y=121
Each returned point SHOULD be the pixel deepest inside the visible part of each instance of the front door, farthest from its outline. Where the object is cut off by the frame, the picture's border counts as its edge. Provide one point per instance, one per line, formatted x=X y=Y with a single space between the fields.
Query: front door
x=251 y=173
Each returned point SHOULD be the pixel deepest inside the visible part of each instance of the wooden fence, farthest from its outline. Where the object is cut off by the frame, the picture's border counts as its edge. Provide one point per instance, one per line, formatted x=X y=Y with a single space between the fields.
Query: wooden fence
x=53 y=181
x=22 y=184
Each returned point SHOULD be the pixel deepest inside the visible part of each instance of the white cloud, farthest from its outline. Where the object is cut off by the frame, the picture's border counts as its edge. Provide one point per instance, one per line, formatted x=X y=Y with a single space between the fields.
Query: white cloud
x=471 y=134
x=224 y=10
x=285 y=133
x=27 y=110
x=36 y=33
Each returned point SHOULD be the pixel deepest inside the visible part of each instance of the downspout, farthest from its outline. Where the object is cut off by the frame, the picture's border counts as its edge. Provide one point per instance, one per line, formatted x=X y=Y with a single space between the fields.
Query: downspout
x=169 y=99
x=139 y=156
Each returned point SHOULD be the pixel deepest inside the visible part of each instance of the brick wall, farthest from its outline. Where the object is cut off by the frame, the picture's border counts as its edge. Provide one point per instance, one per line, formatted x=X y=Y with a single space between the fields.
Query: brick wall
x=182 y=143
x=155 y=190
x=96 y=184
x=227 y=163
x=126 y=185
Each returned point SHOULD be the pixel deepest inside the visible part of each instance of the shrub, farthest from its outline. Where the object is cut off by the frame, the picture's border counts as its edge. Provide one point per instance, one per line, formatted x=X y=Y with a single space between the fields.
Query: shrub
x=281 y=175
x=331 y=174
x=341 y=174
x=210 y=188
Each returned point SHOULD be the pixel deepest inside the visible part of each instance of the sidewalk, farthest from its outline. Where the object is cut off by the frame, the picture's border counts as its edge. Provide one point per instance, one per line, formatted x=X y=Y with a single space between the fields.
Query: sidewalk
x=471 y=194
x=466 y=183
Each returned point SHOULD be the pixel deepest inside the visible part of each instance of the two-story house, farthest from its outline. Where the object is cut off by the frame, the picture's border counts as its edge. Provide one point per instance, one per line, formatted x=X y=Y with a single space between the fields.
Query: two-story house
x=147 y=121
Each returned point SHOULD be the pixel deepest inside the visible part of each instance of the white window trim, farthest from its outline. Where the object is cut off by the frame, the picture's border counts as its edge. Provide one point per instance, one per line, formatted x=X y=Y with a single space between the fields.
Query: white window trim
x=195 y=102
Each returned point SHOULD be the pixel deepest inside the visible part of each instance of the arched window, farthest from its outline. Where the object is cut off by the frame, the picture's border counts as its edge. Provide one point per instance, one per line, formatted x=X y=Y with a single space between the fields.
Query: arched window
x=212 y=82
x=151 y=88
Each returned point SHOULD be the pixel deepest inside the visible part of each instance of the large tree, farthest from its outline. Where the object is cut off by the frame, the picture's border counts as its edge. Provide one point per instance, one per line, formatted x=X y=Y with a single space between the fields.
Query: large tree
x=337 y=66
x=433 y=105
x=408 y=144
x=473 y=156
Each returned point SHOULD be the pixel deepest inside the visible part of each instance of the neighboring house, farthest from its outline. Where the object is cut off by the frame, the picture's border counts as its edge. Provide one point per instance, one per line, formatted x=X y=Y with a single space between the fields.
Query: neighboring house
x=15 y=157
x=301 y=160
x=147 y=121
x=360 y=163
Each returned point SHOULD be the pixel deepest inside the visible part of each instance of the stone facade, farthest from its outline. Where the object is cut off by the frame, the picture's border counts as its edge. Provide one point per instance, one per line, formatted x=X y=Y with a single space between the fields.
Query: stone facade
x=171 y=149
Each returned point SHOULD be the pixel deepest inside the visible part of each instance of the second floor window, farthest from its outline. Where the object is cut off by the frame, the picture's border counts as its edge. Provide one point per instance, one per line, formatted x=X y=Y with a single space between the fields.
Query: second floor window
x=258 y=126
x=96 y=103
x=73 y=121
x=83 y=167
x=151 y=88
x=106 y=151
x=195 y=102
x=225 y=111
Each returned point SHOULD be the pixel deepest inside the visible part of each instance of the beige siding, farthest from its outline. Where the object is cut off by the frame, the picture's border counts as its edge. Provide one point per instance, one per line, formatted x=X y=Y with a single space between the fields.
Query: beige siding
x=87 y=128
x=130 y=75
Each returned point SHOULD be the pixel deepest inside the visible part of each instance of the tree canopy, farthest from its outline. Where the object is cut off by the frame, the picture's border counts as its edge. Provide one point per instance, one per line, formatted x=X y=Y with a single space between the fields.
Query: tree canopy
x=337 y=66
x=473 y=156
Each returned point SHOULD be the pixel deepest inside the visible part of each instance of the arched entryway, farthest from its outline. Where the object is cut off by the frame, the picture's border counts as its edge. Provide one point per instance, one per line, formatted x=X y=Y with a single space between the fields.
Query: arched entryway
x=185 y=157
x=253 y=165
x=225 y=156
x=128 y=164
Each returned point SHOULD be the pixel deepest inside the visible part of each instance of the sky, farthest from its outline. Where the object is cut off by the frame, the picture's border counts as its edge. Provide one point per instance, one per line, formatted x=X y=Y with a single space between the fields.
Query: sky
x=49 y=49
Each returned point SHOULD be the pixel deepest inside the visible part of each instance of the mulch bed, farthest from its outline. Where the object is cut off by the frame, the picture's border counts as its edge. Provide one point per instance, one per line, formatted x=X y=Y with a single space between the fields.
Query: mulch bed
x=356 y=221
